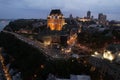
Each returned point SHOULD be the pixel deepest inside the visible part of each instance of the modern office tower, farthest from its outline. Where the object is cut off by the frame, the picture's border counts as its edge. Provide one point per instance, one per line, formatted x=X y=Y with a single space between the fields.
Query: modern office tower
x=71 y=17
x=102 y=19
x=88 y=14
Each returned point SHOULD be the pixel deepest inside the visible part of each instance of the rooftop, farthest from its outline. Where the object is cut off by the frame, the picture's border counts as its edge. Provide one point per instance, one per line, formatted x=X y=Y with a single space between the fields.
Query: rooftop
x=55 y=11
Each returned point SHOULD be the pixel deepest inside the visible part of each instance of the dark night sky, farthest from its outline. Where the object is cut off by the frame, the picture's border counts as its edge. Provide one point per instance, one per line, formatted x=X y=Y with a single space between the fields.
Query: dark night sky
x=41 y=8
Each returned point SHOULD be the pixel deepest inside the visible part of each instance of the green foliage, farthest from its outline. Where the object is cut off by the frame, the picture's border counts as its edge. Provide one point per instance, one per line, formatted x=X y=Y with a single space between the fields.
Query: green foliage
x=26 y=24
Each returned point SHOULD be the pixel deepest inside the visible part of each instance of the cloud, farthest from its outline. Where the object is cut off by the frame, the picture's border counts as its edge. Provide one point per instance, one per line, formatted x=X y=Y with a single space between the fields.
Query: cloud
x=77 y=7
x=63 y=4
x=44 y=4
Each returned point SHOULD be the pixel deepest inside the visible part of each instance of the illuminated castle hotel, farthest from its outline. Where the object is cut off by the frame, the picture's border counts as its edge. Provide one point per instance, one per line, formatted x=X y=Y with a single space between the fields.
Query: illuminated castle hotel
x=55 y=34
x=55 y=20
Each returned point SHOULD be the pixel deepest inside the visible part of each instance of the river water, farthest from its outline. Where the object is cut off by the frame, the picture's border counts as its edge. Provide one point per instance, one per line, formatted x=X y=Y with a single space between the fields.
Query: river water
x=3 y=24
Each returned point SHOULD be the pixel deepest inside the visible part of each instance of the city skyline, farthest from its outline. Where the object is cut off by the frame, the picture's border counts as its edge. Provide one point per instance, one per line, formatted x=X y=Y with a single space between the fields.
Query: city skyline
x=40 y=8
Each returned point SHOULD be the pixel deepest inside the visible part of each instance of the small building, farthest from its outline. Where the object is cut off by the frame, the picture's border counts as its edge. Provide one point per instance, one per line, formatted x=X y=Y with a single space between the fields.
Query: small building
x=85 y=19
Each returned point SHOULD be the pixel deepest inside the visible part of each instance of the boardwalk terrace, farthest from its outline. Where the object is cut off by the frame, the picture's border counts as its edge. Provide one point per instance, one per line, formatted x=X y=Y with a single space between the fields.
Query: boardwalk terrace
x=55 y=20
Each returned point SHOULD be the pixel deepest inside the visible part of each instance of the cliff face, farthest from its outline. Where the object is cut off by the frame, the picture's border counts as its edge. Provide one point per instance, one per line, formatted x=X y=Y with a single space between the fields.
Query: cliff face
x=26 y=24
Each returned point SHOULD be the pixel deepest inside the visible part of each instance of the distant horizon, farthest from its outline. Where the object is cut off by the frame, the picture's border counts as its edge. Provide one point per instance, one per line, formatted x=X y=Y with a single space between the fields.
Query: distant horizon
x=15 y=9
x=66 y=14
x=109 y=19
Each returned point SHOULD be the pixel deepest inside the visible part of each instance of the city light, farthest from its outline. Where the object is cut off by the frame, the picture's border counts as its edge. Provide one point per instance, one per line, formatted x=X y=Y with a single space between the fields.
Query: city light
x=68 y=50
x=46 y=43
x=81 y=44
x=108 y=55
x=119 y=54
x=96 y=54
x=71 y=41
x=42 y=66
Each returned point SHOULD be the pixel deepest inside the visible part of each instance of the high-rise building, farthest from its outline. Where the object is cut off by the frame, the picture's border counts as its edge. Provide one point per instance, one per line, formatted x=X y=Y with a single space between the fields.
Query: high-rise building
x=88 y=14
x=71 y=17
x=55 y=20
x=102 y=19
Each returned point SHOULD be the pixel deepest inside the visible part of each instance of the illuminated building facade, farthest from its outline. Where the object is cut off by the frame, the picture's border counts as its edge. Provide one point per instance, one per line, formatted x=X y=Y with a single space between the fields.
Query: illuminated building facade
x=55 y=20
x=85 y=19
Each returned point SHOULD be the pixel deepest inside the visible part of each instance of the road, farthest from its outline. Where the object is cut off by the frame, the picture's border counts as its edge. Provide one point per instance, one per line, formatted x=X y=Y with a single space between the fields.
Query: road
x=2 y=77
x=4 y=72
